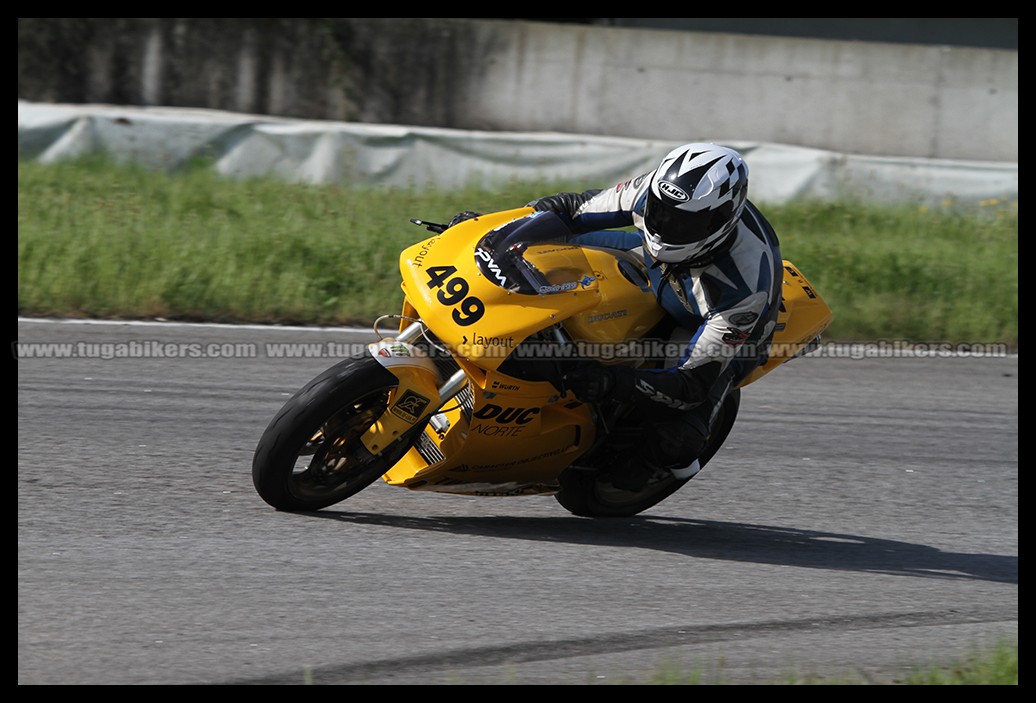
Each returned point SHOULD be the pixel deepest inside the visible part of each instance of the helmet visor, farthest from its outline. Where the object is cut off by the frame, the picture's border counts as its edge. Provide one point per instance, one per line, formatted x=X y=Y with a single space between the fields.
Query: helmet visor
x=676 y=226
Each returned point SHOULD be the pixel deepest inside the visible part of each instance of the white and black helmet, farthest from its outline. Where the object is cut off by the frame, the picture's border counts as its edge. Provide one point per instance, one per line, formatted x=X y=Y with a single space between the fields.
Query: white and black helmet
x=694 y=202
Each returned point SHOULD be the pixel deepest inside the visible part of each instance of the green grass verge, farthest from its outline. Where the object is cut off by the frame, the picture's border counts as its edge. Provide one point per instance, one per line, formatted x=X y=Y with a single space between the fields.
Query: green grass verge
x=988 y=666
x=97 y=239
x=992 y=666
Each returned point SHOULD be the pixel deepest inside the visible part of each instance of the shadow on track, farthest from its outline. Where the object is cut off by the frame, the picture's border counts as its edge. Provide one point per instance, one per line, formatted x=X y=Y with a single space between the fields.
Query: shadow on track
x=710 y=539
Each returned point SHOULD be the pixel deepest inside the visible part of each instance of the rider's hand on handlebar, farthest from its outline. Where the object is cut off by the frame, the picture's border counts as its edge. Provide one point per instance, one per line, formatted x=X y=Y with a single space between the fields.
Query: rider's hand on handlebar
x=462 y=216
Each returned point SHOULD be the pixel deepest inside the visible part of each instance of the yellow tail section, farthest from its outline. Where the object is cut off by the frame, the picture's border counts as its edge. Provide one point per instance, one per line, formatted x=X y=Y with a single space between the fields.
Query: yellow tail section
x=802 y=318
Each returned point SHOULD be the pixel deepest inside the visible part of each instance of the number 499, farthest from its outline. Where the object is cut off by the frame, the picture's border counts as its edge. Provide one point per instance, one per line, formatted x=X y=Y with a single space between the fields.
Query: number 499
x=453 y=290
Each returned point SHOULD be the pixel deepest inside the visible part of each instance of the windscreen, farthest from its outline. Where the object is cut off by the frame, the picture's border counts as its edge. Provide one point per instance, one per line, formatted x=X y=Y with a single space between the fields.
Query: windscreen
x=530 y=256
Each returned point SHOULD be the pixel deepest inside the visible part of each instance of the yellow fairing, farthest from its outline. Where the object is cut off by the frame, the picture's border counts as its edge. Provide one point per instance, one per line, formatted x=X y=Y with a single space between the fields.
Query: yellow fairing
x=502 y=435
x=627 y=309
x=513 y=442
x=477 y=319
x=803 y=316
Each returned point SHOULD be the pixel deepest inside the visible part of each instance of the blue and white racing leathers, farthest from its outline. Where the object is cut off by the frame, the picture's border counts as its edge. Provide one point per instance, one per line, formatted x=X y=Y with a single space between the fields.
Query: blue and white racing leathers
x=729 y=306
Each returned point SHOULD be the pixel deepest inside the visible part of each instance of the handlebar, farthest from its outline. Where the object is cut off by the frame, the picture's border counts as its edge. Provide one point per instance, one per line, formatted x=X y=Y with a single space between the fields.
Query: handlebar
x=500 y=253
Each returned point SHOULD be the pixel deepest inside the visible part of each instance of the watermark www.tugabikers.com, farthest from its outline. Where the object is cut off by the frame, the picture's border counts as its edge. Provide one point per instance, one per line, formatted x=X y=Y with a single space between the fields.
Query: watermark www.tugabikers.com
x=135 y=349
x=905 y=349
x=630 y=350
x=159 y=349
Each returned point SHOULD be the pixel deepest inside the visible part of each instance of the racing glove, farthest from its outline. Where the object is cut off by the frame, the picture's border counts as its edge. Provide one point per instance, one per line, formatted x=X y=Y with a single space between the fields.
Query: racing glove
x=596 y=382
x=564 y=205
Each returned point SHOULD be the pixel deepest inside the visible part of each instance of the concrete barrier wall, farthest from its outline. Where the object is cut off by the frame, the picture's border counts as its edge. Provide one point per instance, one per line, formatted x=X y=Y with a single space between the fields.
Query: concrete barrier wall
x=866 y=98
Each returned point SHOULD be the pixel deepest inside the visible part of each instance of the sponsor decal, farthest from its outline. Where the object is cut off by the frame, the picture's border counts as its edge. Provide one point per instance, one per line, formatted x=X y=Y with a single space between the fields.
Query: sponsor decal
x=559 y=287
x=505 y=386
x=506 y=465
x=423 y=252
x=484 y=341
x=503 y=416
x=672 y=191
x=587 y=280
x=490 y=430
x=554 y=250
x=494 y=268
x=394 y=350
x=735 y=337
x=743 y=318
x=501 y=421
x=660 y=397
x=601 y=317
x=409 y=406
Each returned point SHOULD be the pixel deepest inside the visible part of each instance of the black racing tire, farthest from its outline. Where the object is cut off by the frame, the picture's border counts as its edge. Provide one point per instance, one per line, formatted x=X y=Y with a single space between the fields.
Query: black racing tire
x=310 y=456
x=588 y=493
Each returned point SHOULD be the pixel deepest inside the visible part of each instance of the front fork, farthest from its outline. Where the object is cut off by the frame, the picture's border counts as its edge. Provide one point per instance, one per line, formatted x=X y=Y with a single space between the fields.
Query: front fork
x=420 y=393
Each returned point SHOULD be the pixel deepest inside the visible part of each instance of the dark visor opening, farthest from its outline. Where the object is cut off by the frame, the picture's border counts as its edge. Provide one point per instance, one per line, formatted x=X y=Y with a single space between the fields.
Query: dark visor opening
x=676 y=226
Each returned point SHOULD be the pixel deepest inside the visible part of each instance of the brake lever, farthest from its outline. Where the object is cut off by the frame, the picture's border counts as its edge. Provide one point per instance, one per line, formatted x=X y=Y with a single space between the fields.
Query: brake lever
x=430 y=226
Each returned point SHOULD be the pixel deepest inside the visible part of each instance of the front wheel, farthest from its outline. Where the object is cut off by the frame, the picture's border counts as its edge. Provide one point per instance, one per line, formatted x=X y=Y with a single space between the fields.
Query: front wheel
x=310 y=455
x=591 y=494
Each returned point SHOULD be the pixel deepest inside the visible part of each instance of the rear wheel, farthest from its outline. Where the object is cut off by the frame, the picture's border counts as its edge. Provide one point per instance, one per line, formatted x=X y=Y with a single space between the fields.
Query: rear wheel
x=310 y=455
x=589 y=493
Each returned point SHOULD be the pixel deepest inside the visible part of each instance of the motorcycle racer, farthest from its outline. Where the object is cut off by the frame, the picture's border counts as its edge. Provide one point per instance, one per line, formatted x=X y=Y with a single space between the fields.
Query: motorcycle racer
x=715 y=264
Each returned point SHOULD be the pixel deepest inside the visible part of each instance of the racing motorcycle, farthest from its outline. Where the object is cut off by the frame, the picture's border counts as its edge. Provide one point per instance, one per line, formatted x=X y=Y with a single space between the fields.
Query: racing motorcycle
x=463 y=390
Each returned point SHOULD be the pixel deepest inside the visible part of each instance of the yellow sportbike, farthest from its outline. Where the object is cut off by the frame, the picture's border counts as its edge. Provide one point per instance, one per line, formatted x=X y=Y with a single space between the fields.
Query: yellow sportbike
x=463 y=392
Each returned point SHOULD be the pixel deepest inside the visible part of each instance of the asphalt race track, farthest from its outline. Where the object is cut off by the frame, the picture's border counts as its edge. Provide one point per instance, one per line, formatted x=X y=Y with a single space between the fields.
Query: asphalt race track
x=861 y=520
